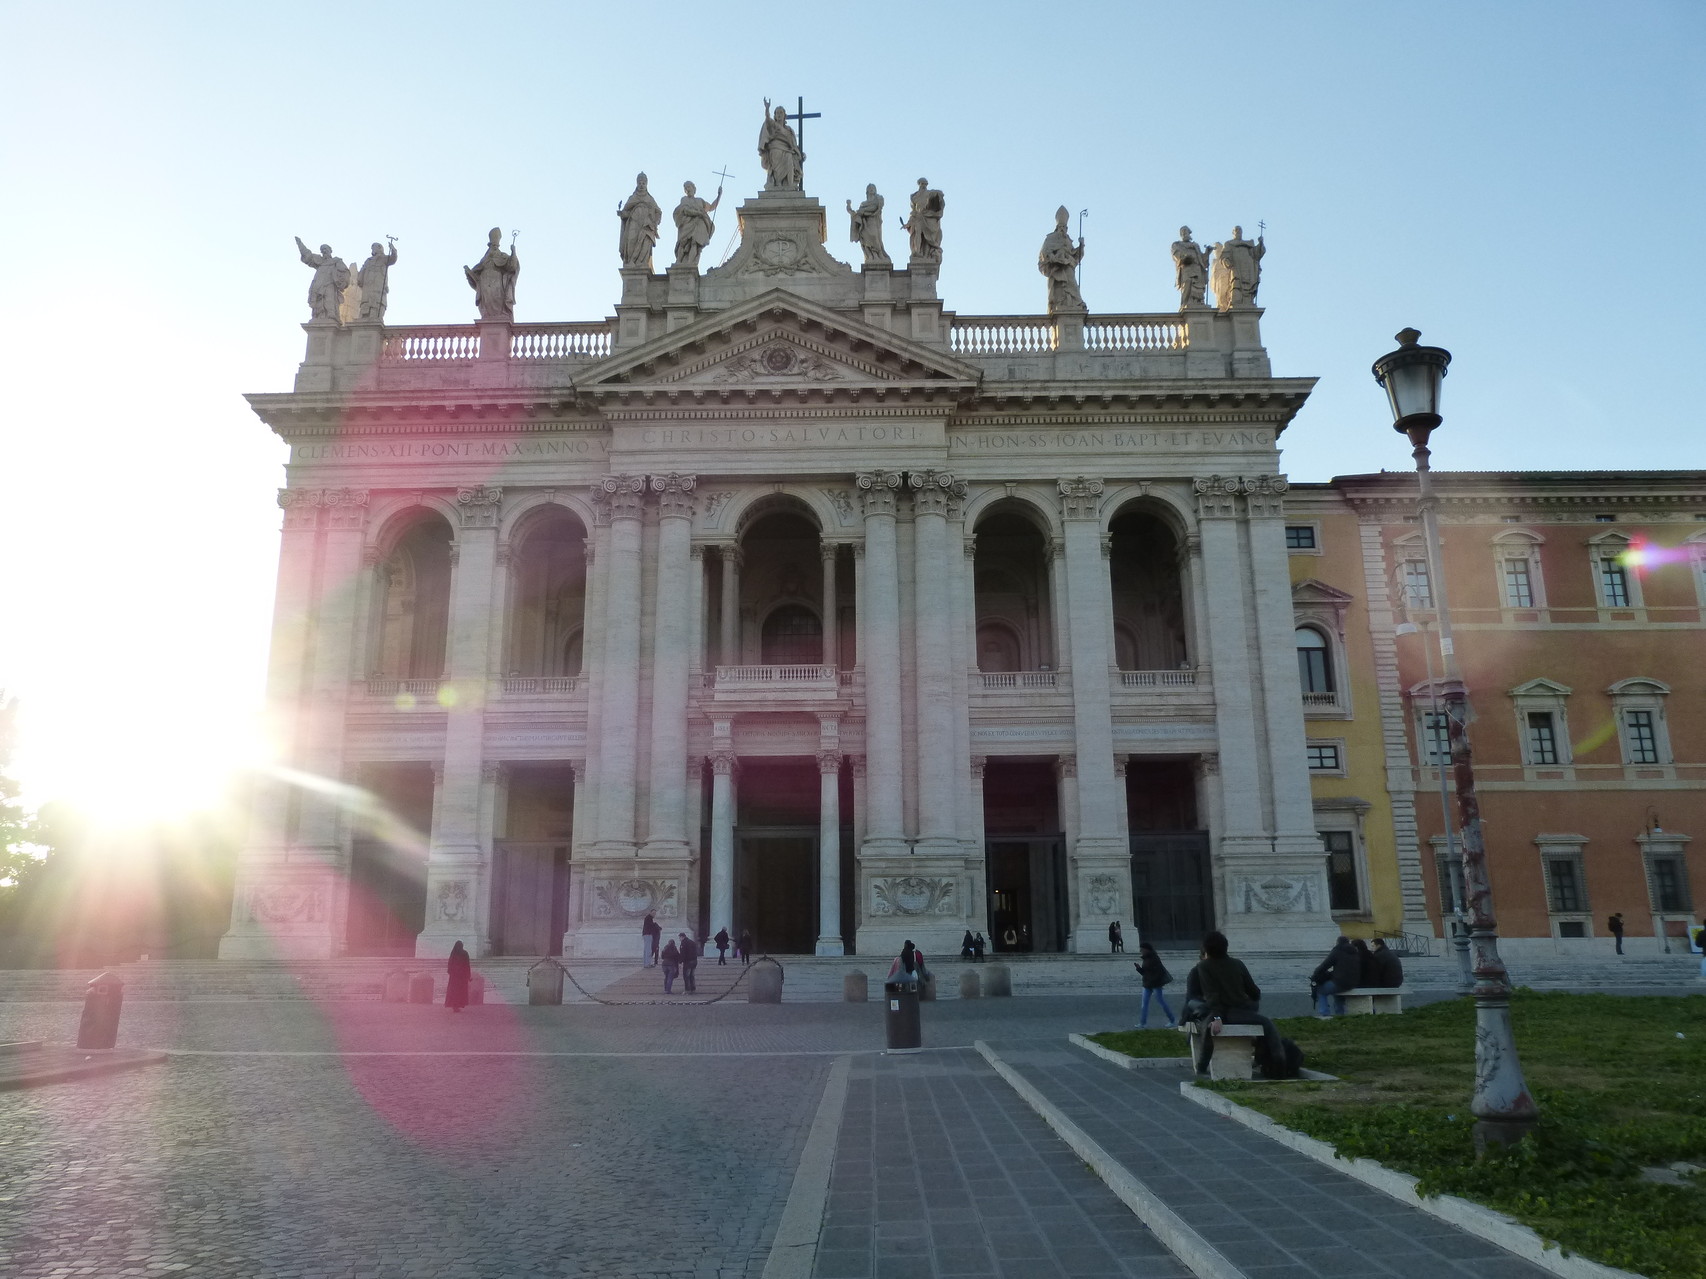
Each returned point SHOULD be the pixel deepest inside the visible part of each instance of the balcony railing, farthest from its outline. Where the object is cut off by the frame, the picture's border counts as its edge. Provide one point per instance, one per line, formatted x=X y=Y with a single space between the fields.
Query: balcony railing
x=550 y=684
x=798 y=677
x=431 y=342
x=1018 y=679
x=1135 y=333
x=1001 y=335
x=590 y=341
x=1321 y=701
x=1157 y=679
x=384 y=686
x=1036 y=335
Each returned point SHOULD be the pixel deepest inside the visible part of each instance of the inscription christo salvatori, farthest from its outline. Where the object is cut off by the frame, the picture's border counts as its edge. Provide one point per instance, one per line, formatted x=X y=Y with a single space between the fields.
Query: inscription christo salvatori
x=1108 y=440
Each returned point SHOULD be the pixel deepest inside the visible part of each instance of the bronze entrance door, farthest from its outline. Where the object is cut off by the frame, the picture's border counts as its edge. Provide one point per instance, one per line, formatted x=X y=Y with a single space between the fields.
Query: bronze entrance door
x=1170 y=887
x=776 y=888
x=1027 y=895
x=387 y=898
x=530 y=899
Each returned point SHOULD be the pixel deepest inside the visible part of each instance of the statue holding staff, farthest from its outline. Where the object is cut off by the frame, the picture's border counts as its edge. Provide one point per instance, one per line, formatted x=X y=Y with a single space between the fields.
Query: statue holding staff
x=493 y=279
x=867 y=228
x=326 y=289
x=1058 y=260
x=374 y=280
x=1238 y=270
x=779 y=152
x=1190 y=270
x=925 y=225
x=640 y=218
x=693 y=225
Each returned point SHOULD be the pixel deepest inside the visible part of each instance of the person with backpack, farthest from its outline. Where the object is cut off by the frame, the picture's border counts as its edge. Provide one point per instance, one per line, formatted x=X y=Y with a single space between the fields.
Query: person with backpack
x=1155 y=978
x=909 y=967
x=1615 y=924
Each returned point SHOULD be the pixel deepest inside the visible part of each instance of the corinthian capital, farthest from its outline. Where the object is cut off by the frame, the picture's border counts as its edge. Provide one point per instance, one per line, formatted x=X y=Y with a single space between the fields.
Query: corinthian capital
x=1080 y=498
x=675 y=495
x=625 y=495
x=479 y=507
x=877 y=489
x=935 y=492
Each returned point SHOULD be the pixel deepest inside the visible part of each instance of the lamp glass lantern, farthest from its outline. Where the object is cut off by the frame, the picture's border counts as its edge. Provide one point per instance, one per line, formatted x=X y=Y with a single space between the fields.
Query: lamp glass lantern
x=1412 y=376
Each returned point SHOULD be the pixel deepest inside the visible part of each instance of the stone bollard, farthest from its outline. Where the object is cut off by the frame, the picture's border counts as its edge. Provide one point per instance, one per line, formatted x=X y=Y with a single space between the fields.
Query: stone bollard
x=476 y=989
x=420 y=988
x=98 y=1027
x=971 y=985
x=764 y=984
x=856 y=987
x=396 y=988
x=927 y=989
x=999 y=980
x=545 y=982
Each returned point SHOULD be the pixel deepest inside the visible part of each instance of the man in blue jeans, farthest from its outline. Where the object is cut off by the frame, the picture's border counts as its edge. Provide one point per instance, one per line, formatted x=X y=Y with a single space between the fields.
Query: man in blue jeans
x=1334 y=975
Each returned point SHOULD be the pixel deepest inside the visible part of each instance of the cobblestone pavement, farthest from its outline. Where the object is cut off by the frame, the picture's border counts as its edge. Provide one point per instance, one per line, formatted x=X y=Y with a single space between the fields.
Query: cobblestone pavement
x=940 y=1169
x=1272 y=1212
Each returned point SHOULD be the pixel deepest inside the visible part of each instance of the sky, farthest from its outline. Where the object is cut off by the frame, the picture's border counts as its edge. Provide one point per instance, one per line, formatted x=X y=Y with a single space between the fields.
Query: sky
x=1510 y=178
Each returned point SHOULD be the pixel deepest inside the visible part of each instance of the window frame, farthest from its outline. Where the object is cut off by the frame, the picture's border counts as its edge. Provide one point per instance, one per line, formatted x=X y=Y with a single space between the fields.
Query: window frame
x=1565 y=850
x=1607 y=547
x=1508 y=547
x=1335 y=744
x=1544 y=696
x=1345 y=815
x=1657 y=846
x=1642 y=695
x=1314 y=529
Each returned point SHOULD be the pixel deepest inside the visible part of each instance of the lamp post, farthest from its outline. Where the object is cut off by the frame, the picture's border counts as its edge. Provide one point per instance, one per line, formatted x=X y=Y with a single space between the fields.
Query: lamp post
x=1502 y=1104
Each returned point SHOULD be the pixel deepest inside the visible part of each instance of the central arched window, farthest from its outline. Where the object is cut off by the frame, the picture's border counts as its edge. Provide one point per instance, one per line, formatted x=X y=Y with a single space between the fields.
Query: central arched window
x=1314 y=661
x=792 y=636
x=414 y=602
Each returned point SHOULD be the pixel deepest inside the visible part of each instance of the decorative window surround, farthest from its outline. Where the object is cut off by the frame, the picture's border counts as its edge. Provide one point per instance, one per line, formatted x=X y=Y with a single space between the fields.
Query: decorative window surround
x=1544 y=697
x=1448 y=875
x=1322 y=608
x=1330 y=752
x=1613 y=579
x=1664 y=854
x=1411 y=575
x=1516 y=565
x=1564 y=872
x=1643 y=732
x=1696 y=547
x=1344 y=816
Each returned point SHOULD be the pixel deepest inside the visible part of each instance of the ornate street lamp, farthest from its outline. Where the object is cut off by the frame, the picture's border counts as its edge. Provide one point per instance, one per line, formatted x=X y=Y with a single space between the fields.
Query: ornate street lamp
x=1502 y=1104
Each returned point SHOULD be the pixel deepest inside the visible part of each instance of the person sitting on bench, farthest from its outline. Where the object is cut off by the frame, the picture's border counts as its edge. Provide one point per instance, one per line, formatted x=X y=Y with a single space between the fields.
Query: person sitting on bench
x=1388 y=969
x=1232 y=996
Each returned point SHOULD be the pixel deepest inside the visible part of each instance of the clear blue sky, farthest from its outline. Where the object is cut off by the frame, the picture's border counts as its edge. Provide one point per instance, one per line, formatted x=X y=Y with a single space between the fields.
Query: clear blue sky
x=1511 y=178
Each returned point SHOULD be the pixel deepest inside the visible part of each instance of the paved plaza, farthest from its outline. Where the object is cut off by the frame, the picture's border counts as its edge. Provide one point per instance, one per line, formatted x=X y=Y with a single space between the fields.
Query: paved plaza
x=301 y=1139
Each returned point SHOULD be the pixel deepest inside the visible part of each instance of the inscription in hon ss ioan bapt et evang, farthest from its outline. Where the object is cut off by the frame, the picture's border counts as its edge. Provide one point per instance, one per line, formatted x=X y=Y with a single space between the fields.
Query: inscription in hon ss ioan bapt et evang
x=1106 y=440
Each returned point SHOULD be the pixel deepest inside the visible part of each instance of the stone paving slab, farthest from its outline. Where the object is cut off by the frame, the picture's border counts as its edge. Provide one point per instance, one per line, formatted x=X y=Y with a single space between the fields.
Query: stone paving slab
x=941 y=1170
x=42 y=1064
x=1274 y=1213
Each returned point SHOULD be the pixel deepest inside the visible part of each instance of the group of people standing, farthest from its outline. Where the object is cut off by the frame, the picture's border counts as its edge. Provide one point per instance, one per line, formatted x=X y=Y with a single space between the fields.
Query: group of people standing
x=680 y=958
x=973 y=946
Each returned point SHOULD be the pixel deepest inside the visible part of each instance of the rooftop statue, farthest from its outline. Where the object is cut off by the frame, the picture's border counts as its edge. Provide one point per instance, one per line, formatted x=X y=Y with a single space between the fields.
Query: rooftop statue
x=925 y=225
x=1190 y=270
x=493 y=279
x=640 y=217
x=326 y=289
x=693 y=225
x=374 y=281
x=867 y=231
x=1058 y=261
x=779 y=152
x=1237 y=270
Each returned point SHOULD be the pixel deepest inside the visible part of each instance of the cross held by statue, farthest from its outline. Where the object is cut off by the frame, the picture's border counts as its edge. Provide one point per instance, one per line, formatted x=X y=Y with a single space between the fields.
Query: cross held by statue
x=801 y=115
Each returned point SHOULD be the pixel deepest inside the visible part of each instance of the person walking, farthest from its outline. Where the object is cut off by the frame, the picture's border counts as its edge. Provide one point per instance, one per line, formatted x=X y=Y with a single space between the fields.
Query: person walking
x=688 y=952
x=722 y=940
x=1155 y=979
x=650 y=931
x=1116 y=939
x=980 y=945
x=671 y=966
x=1232 y=998
x=746 y=945
x=1615 y=923
x=909 y=967
x=968 y=946
x=1333 y=976
x=461 y=971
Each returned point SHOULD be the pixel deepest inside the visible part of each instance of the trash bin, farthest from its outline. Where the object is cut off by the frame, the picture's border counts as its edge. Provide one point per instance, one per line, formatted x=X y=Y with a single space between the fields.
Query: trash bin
x=101 y=1008
x=545 y=982
x=900 y=1020
x=855 y=987
x=971 y=985
x=420 y=988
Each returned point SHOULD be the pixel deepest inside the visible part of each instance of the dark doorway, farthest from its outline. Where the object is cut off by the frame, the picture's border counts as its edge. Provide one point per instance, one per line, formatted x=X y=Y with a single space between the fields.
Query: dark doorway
x=776 y=854
x=388 y=858
x=1170 y=883
x=530 y=899
x=1025 y=855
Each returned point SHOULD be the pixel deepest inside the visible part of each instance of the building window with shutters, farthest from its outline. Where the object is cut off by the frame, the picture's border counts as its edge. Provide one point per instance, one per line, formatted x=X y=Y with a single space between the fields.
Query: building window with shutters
x=1639 y=707
x=1344 y=893
x=1542 y=738
x=1516 y=555
x=1543 y=729
x=1564 y=869
x=1418 y=586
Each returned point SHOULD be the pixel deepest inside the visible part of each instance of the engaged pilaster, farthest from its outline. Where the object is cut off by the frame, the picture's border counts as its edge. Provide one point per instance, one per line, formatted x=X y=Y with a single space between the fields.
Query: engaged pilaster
x=619 y=710
x=880 y=608
x=672 y=626
x=939 y=791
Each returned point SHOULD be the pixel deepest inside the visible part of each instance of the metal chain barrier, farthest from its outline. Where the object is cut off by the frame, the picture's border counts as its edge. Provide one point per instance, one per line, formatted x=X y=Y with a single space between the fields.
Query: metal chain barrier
x=700 y=1003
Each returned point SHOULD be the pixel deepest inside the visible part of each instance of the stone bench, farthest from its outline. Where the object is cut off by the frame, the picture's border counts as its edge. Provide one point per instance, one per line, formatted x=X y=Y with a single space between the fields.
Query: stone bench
x=1234 y=1049
x=1363 y=1001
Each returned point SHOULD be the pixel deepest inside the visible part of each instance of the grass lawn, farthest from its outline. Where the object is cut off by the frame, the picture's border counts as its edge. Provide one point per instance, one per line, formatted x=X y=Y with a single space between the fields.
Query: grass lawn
x=1621 y=1083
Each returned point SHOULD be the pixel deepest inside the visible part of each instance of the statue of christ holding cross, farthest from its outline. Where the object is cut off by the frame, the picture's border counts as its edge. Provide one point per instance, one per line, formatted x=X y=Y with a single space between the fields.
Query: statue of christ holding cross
x=779 y=152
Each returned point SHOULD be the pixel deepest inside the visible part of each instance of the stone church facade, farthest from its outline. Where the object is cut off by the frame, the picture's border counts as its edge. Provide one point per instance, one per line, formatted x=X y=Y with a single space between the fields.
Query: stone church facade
x=791 y=602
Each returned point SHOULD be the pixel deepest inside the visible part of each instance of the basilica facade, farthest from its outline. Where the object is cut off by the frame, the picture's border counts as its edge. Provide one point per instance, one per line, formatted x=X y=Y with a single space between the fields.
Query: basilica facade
x=789 y=601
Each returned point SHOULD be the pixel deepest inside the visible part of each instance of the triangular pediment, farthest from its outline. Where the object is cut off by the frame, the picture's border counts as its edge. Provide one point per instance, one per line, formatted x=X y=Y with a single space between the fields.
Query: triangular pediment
x=778 y=342
x=1312 y=591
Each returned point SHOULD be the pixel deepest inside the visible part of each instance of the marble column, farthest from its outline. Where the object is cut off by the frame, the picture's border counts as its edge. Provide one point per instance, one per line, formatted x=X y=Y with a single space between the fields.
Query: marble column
x=593 y=664
x=577 y=837
x=934 y=652
x=829 y=854
x=1101 y=864
x=457 y=863
x=730 y=619
x=831 y=631
x=880 y=607
x=619 y=710
x=672 y=630
x=1227 y=627
x=979 y=905
x=723 y=841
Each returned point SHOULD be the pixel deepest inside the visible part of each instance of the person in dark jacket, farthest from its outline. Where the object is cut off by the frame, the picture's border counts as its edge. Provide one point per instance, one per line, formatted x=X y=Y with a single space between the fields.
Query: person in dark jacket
x=1155 y=978
x=1385 y=968
x=1615 y=923
x=1334 y=975
x=671 y=966
x=968 y=946
x=722 y=940
x=688 y=951
x=746 y=945
x=981 y=946
x=909 y=967
x=650 y=932
x=1116 y=938
x=461 y=970
x=1231 y=994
